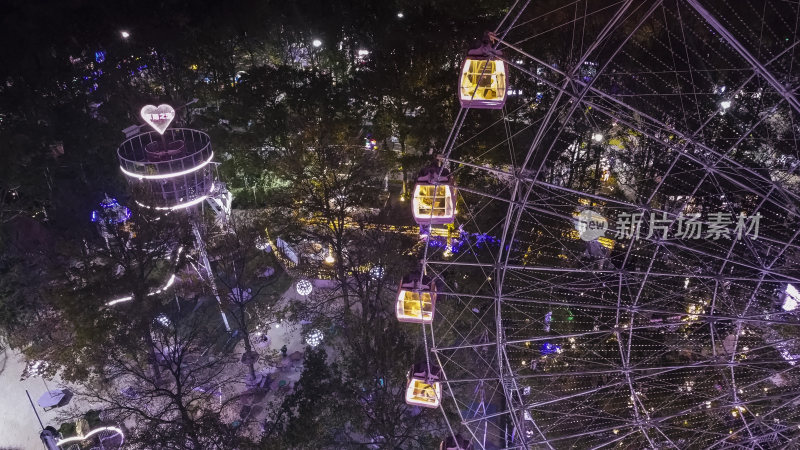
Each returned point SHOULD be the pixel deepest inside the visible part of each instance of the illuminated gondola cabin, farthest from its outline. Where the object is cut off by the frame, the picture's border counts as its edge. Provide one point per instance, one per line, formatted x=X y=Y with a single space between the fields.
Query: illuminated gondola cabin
x=434 y=201
x=416 y=300
x=483 y=80
x=424 y=388
x=457 y=443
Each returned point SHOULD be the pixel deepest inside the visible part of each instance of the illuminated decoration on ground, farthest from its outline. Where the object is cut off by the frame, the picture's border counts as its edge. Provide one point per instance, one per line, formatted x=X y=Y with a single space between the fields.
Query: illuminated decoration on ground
x=304 y=287
x=112 y=212
x=104 y=434
x=549 y=349
x=158 y=291
x=314 y=338
x=163 y=176
x=791 y=299
x=376 y=272
x=159 y=117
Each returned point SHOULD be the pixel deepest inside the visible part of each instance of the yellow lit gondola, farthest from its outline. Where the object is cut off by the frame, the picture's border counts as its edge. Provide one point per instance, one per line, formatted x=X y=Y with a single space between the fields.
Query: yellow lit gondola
x=434 y=201
x=416 y=300
x=483 y=80
x=423 y=388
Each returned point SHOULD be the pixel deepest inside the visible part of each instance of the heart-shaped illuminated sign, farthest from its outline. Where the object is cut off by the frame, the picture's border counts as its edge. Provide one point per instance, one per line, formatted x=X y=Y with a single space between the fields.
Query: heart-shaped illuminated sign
x=159 y=117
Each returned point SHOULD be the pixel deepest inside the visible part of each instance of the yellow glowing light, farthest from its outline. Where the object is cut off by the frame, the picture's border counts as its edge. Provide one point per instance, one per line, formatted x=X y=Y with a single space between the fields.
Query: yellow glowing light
x=330 y=259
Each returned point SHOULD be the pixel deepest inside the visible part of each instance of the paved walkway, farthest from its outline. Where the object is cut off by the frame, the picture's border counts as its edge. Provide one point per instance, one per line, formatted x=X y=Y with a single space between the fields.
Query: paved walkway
x=19 y=429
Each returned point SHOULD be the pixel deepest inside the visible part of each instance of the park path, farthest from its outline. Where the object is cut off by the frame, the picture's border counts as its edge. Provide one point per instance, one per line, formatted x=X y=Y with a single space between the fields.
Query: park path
x=19 y=429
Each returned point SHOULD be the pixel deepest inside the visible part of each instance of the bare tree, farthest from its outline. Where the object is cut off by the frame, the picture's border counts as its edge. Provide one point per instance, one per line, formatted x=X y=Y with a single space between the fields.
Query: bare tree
x=189 y=407
x=243 y=273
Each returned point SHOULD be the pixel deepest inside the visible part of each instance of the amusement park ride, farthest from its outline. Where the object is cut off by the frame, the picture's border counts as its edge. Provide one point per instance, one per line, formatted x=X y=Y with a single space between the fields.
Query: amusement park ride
x=574 y=338
x=175 y=167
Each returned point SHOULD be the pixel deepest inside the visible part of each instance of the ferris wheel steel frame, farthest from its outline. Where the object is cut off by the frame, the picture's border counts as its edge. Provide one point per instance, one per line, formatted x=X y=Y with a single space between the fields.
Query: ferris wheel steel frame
x=715 y=163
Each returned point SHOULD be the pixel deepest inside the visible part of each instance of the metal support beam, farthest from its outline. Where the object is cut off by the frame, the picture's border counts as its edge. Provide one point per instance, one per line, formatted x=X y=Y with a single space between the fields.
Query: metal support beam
x=752 y=60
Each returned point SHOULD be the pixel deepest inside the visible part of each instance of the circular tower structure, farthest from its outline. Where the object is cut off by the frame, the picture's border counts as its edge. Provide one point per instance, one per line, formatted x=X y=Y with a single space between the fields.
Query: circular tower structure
x=174 y=167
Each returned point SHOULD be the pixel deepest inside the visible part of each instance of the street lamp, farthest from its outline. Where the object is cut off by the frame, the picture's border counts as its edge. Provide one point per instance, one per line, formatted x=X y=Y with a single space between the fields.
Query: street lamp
x=400 y=15
x=125 y=34
x=316 y=43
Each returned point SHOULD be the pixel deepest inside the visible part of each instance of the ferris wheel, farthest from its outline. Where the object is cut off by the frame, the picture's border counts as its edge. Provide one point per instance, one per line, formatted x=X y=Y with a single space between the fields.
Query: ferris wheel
x=611 y=237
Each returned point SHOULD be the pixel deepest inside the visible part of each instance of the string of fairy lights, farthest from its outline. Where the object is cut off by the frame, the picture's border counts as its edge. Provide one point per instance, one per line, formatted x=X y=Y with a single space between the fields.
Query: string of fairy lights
x=629 y=342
